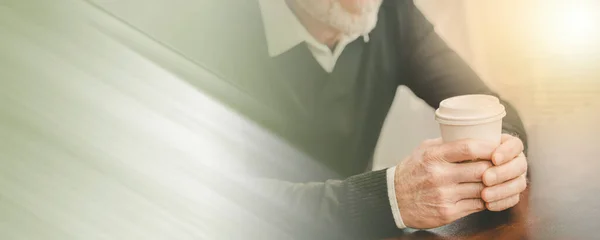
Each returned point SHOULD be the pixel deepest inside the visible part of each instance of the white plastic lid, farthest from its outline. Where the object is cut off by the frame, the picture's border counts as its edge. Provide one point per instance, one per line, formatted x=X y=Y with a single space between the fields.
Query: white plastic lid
x=470 y=110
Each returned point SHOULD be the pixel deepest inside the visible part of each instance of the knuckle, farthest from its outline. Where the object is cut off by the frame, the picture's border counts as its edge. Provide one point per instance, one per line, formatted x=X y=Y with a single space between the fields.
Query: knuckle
x=522 y=184
x=466 y=148
x=435 y=171
x=511 y=202
x=483 y=166
x=520 y=144
x=487 y=179
x=438 y=174
x=490 y=206
x=524 y=166
x=485 y=195
x=446 y=213
x=496 y=206
x=431 y=168
x=429 y=154
x=495 y=194
x=479 y=204
x=479 y=187
x=428 y=172
x=486 y=164
x=523 y=178
x=433 y=176
x=478 y=175
x=501 y=207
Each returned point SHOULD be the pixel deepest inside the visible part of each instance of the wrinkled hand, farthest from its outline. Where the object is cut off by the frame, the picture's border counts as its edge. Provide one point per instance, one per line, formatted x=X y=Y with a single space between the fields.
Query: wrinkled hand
x=507 y=179
x=433 y=188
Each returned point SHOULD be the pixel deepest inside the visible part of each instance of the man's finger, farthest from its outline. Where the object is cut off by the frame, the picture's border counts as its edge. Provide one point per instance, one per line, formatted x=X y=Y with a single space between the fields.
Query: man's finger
x=510 y=148
x=504 y=190
x=507 y=171
x=505 y=137
x=462 y=150
x=503 y=204
x=468 y=190
x=469 y=172
x=468 y=206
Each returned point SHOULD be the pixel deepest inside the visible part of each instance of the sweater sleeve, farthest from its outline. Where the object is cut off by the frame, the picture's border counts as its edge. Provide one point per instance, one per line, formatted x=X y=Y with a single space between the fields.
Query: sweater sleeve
x=354 y=208
x=435 y=72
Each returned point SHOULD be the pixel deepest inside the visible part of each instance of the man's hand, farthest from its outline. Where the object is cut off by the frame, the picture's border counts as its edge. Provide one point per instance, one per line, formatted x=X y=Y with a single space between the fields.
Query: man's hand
x=507 y=179
x=433 y=188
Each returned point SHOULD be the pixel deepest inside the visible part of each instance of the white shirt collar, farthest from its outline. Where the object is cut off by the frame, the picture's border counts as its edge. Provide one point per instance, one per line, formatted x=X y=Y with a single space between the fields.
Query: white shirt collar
x=283 y=30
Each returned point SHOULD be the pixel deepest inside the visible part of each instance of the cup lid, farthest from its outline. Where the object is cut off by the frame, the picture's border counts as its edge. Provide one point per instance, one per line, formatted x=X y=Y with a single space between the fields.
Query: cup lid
x=470 y=109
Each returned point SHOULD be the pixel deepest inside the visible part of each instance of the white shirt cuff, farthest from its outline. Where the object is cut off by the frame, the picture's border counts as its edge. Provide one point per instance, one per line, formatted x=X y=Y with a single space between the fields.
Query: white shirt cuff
x=391 y=189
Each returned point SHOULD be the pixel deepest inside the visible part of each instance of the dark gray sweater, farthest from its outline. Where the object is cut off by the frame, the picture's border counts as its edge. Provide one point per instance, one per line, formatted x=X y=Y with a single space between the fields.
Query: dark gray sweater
x=334 y=117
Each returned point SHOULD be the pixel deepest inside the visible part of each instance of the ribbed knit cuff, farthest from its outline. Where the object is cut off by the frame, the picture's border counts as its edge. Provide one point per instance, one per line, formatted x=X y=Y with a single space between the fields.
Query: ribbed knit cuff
x=367 y=205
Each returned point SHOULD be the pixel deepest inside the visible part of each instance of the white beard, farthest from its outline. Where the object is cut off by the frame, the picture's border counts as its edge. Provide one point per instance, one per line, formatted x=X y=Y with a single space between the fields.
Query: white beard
x=333 y=14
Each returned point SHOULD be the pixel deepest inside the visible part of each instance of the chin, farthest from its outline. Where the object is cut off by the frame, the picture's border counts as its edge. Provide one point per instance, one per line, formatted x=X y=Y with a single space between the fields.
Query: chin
x=336 y=15
x=353 y=6
x=359 y=7
x=354 y=24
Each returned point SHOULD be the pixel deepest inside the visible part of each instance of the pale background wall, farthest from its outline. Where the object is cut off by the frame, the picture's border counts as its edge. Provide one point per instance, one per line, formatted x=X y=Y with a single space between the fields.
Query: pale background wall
x=411 y=120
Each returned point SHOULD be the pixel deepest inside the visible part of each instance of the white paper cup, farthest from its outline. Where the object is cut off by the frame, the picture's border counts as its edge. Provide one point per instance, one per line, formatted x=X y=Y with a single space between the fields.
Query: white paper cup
x=471 y=116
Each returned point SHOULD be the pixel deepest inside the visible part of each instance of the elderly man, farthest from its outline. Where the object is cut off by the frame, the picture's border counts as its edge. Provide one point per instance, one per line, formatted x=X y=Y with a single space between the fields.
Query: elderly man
x=329 y=69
